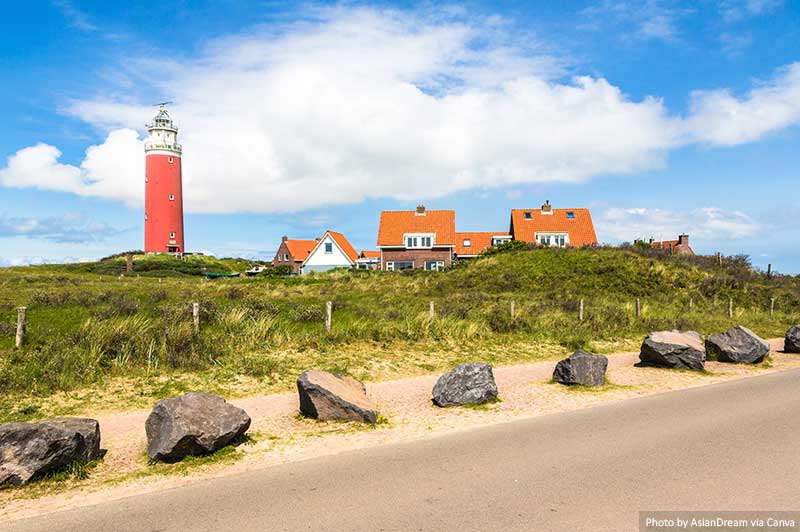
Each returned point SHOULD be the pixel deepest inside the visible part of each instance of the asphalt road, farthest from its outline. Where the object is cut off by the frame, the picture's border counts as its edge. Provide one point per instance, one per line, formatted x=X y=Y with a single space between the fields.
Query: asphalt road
x=731 y=446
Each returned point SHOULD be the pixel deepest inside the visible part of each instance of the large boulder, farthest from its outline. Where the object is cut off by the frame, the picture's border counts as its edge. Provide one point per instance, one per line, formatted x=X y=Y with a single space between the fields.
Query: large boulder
x=471 y=383
x=330 y=397
x=673 y=349
x=30 y=449
x=89 y=430
x=192 y=424
x=739 y=344
x=791 y=343
x=582 y=368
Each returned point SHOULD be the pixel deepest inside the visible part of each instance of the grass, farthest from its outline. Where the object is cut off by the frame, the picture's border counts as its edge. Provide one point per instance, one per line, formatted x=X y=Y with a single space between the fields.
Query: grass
x=98 y=340
x=607 y=386
x=483 y=406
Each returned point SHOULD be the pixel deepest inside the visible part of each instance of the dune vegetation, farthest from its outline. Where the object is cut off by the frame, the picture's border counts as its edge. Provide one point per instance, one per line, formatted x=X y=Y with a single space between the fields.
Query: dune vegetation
x=102 y=338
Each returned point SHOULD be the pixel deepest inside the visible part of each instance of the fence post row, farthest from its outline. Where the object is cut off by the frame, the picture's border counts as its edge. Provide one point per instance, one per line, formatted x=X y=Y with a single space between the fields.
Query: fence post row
x=196 y=317
x=21 y=324
x=328 y=311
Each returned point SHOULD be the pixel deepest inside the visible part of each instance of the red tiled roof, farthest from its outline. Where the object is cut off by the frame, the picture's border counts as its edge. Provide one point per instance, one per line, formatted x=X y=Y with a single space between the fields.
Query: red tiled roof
x=370 y=254
x=580 y=228
x=677 y=247
x=479 y=241
x=343 y=243
x=394 y=224
x=301 y=249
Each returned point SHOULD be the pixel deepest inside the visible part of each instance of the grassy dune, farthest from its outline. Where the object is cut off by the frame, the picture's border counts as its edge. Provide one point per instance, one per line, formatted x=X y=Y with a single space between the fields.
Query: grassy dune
x=97 y=340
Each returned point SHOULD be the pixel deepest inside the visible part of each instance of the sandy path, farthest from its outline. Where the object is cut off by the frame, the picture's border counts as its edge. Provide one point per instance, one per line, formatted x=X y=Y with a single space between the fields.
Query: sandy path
x=282 y=437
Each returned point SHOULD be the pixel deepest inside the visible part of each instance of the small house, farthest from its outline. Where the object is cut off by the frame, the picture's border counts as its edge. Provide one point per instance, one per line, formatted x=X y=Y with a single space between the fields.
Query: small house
x=675 y=247
x=331 y=251
x=368 y=260
x=553 y=227
x=416 y=239
x=472 y=244
x=293 y=253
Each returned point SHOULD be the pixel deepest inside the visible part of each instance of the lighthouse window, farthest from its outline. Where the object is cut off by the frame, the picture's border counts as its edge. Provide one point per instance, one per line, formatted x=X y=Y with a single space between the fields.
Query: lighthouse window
x=172 y=197
x=170 y=160
x=172 y=235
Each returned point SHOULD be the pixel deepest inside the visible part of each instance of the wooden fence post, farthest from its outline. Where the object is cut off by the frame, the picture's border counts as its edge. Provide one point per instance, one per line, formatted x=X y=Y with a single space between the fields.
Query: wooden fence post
x=513 y=310
x=328 y=312
x=769 y=270
x=129 y=262
x=431 y=310
x=730 y=308
x=771 y=306
x=638 y=308
x=691 y=303
x=196 y=317
x=719 y=258
x=21 y=325
x=580 y=311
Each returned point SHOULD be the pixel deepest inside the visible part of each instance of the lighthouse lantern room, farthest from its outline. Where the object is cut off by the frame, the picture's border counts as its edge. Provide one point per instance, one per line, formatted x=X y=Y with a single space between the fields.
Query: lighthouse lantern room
x=163 y=197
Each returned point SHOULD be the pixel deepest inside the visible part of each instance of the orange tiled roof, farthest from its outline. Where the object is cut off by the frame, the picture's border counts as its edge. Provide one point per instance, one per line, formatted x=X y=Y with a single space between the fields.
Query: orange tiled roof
x=370 y=254
x=343 y=243
x=479 y=241
x=394 y=224
x=301 y=249
x=677 y=247
x=580 y=228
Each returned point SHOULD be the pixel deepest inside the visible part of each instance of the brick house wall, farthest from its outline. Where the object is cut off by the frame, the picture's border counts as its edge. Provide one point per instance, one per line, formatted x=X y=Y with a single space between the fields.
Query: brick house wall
x=417 y=256
x=278 y=260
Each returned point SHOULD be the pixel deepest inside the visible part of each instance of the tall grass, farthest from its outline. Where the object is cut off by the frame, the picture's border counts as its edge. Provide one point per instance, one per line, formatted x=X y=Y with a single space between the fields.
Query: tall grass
x=85 y=328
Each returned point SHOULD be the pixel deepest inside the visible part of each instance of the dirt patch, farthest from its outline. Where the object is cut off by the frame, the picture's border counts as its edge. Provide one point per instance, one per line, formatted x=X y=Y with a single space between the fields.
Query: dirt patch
x=280 y=436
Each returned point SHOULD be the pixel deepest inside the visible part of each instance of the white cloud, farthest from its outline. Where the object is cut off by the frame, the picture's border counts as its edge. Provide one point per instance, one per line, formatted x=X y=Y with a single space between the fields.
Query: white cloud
x=362 y=103
x=719 y=117
x=647 y=19
x=736 y=10
x=708 y=223
x=70 y=228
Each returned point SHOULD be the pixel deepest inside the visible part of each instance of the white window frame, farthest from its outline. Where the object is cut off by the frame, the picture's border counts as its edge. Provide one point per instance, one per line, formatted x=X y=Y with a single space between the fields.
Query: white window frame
x=285 y=257
x=327 y=245
x=419 y=240
x=172 y=197
x=500 y=240
x=438 y=265
x=467 y=242
x=390 y=266
x=172 y=234
x=170 y=159
x=540 y=237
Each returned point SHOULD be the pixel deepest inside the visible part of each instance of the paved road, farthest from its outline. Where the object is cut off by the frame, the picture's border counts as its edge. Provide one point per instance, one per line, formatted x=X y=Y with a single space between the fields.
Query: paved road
x=729 y=446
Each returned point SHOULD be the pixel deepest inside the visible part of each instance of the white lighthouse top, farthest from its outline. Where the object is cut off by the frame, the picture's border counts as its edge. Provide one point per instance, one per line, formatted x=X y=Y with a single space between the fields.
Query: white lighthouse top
x=163 y=133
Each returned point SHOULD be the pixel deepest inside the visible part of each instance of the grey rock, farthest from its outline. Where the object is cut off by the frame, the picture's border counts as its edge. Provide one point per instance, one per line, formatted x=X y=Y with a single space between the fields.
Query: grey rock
x=673 y=349
x=739 y=345
x=791 y=343
x=330 y=397
x=29 y=449
x=471 y=383
x=195 y=423
x=582 y=368
x=89 y=429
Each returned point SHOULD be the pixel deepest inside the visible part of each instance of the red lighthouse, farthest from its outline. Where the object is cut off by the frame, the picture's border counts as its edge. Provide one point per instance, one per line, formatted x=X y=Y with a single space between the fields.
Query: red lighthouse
x=163 y=190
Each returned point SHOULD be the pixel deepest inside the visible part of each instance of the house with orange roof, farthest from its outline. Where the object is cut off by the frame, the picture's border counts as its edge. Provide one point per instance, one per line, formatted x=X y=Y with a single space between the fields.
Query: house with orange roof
x=293 y=253
x=473 y=243
x=368 y=260
x=553 y=227
x=416 y=239
x=675 y=247
x=331 y=251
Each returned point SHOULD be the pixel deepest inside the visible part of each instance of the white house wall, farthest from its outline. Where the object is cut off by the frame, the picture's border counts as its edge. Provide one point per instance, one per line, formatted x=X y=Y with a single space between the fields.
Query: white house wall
x=321 y=261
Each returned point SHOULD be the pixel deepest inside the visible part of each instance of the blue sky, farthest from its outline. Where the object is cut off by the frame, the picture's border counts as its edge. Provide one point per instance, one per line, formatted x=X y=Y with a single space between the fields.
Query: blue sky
x=660 y=116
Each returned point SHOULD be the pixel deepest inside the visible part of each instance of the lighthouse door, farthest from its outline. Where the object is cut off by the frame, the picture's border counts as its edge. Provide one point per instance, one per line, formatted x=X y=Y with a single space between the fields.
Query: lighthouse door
x=172 y=249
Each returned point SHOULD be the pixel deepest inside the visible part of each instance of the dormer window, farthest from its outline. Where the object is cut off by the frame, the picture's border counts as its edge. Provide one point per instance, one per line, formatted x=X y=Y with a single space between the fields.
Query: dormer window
x=570 y=215
x=467 y=242
x=419 y=241
x=528 y=215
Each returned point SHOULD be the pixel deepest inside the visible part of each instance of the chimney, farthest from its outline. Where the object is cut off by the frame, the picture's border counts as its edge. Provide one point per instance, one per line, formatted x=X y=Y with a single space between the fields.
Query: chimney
x=651 y=240
x=420 y=210
x=284 y=238
x=683 y=240
x=547 y=208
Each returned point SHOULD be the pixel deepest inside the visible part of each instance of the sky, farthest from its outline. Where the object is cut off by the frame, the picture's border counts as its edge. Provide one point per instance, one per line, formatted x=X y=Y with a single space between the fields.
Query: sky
x=662 y=117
